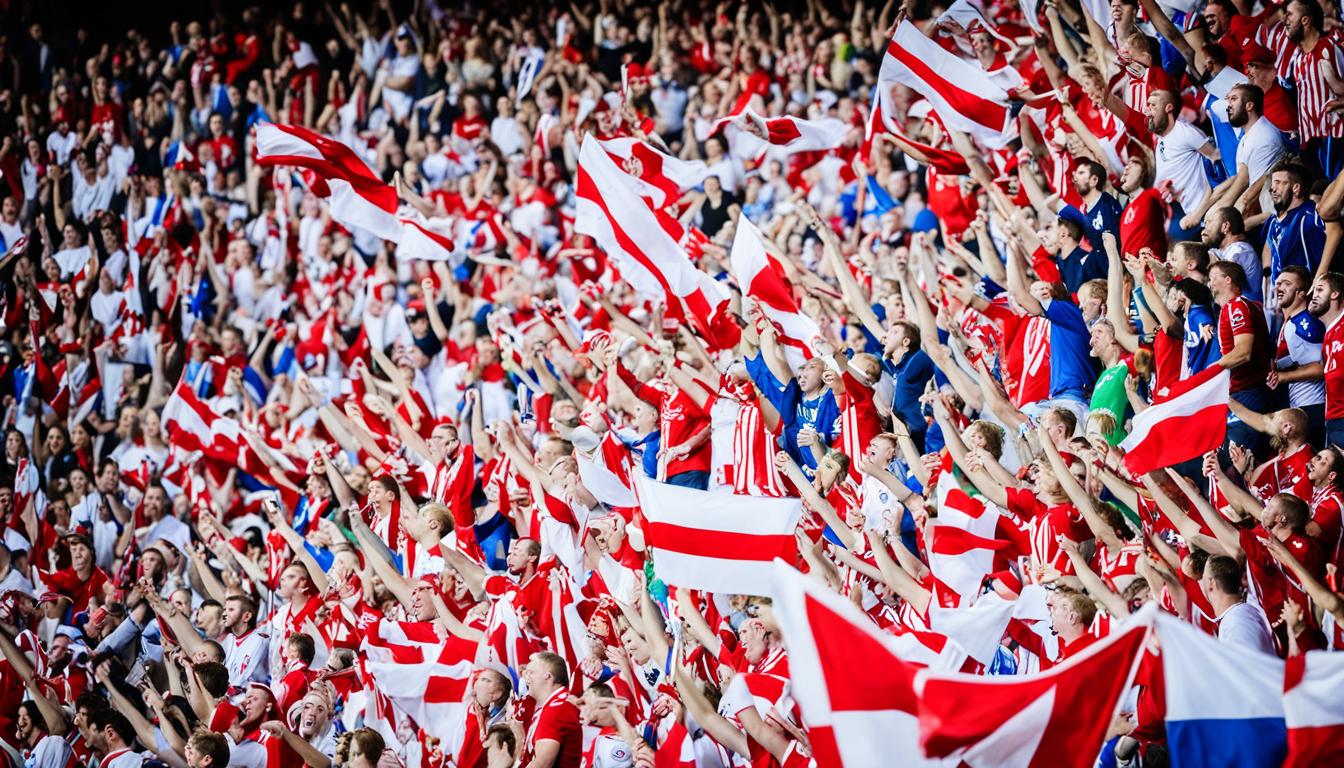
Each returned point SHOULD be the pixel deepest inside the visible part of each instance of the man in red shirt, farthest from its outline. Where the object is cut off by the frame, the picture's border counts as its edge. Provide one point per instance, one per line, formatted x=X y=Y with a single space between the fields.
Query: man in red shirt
x=1243 y=340
x=555 y=738
x=83 y=580
x=1327 y=303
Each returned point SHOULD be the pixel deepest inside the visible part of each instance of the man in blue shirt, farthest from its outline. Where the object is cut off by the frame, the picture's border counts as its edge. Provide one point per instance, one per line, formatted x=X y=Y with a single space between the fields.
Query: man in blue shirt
x=1072 y=374
x=805 y=404
x=1077 y=265
x=910 y=368
x=1100 y=210
x=1295 y=234
x=1193 y=299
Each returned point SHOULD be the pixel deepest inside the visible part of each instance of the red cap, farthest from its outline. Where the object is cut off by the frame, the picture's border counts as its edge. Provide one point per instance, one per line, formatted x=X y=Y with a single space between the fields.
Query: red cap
x=225 y=716
x=1256 y=53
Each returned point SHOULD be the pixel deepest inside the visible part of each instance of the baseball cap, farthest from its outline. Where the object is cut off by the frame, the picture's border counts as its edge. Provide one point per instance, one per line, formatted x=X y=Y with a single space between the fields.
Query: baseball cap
x=1256 y=53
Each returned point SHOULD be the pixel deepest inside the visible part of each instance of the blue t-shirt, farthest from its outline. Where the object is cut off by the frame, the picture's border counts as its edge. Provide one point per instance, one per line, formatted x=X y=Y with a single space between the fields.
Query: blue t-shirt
x=1104 y=216
x=1079 y=266
x=1298 y=238
x=1071 y=370
x=821 y=413
x=1200 y=353
x=911 y=375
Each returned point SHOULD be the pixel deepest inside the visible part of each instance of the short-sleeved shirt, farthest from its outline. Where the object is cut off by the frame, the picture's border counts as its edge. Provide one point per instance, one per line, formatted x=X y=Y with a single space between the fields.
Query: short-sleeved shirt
x=1295 y=238
x=557 y=719
x=1300 y=342
x=1242 y=253
x=1071 y=370
x=1044 y=523
x=1100 y=217
x=1180 y=162
x=1260 y=148
x=1241 y=316
x=1144 y=224
x=1333 y=354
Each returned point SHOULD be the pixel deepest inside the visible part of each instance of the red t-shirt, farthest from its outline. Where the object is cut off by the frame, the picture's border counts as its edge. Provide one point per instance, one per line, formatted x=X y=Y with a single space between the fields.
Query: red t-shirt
x=1045 y=522
x=1241 y=316
x=1332 y=352
x=1285 y=474
x=68 y=583
x=557 y=719
x=1144 y=224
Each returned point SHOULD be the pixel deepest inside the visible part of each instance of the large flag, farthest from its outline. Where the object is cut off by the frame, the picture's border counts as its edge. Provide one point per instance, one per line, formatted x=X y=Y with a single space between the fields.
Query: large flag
x=959 y=561
x=855 y=691
x=643 y=243
x=432 y=691
x=1055 y=718
x=762 y=279
x=1314 y=709
x=718 y=542
x=1225 y=702
x=357 y=198
x=664 y=178
x=961 y=93
x=1189 y=421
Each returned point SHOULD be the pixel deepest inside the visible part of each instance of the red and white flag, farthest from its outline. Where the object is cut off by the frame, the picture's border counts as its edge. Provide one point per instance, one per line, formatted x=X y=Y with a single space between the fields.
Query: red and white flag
x=432 y=692
x=664 y=178
x=357 y=198
x=962 y=95
x=1313 y=709
x=855 y=691
x=192 y=425
x=762 y=279
x=643 y=243
x=959 y=561
x=1189 y=421
x=718 y=542
x=750 y=134
x=1055 y=718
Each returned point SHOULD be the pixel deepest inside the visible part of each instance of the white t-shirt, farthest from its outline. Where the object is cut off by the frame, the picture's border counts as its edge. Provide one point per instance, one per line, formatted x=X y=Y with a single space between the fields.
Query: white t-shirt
x=1179 y=160
x=249 y=754
x=247 y=658
x=10 y=233
x=1259 y=149
x=1246 y=625
x=50 y=752
x=61 y=146
x=1242 y=253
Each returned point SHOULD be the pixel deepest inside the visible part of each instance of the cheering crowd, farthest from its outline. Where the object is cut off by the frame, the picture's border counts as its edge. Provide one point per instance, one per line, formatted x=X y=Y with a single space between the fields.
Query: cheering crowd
x=350 y=356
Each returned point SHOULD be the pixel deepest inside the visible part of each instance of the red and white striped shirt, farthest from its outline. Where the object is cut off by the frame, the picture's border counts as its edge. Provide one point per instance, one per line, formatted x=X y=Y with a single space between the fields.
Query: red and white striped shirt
x=753 y=469
x=1313 y=92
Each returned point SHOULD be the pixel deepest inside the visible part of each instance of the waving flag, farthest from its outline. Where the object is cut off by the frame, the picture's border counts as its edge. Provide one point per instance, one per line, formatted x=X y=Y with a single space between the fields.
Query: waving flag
x=1188 y=421
x=960 y=561
x=762 y=278
x=664 y=178
x=1314 y=710
x=432 y=692
x=192 y=425
x=1225 y=703
x=960 y=92
x=855 y=691
x=1055 y=718
x=717 y=542
x=749 y=134
x=643 y=243
x=357 y=198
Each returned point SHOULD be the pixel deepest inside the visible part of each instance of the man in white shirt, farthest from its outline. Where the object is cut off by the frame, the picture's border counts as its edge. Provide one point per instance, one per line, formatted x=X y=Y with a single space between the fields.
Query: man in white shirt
x=246 y=651
x=1239 y=622
x=1225 y=234
x=1259 y=148
x=1180 y=152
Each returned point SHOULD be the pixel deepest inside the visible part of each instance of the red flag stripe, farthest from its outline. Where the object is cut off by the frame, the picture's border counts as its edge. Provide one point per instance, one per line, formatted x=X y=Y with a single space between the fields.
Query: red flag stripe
x=698 y=542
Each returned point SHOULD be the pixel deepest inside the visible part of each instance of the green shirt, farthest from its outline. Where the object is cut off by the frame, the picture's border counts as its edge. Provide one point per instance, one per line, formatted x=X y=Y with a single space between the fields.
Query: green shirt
x=1109 y=397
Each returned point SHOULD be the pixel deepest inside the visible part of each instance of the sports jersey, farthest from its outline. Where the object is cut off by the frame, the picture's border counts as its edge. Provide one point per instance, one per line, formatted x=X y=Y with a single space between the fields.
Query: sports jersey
x=1295 y=238
x=1313 y=92
x=1241 y=316
x=1070 y=354
x=247 y=658
x=1285 y=473
x=556 y=719
x=1333 y=356
x=1044 y=524
x=1300 y=342
x=1144 y=224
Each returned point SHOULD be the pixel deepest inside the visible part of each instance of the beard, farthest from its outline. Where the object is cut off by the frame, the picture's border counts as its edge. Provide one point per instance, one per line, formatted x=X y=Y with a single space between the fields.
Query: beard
x=1277 y=442
x=1296 y=33
x=1280 y=206
x=1237 y=119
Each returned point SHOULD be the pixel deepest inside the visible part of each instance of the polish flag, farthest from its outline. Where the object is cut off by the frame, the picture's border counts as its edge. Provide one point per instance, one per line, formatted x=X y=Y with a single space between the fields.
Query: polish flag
x=1055 y=718
x=762 y=279
x=643 y=243
x=664 y=178
x=1188 y=421
x=855 y=690
x=1313 y=709
x=426 y=239
x=962 y=95
x=718 y=542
